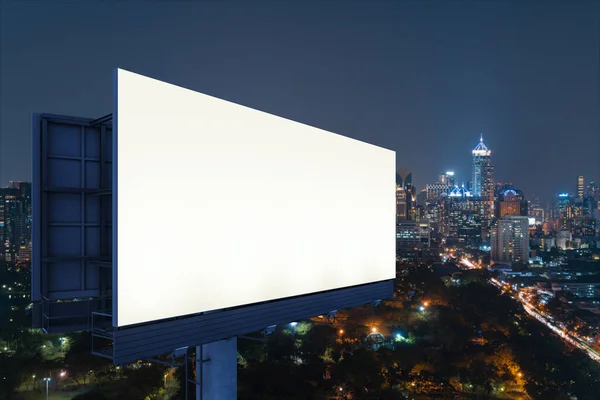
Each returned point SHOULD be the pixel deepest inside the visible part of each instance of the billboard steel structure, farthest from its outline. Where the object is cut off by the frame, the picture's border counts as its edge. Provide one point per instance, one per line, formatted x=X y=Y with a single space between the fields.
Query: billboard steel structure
x=75 y=227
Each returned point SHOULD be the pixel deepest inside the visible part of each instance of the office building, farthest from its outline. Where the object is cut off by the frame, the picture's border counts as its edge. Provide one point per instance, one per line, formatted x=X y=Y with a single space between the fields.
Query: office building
x=510 y=240
x=412 y=235
x=580 y=187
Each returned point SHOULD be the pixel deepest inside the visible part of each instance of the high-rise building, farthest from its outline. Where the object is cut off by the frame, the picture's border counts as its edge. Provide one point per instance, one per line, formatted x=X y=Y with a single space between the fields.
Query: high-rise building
x=405 y=195
x=511 y=202
x=447 y=178
x=422 y=198
x=535 y=210
x=461 y=219
x=411 y=234
x=510 y=240
x=482 y=186
x=15 y=219
x=483 y=172
x=580 y=186
x=400 y=204
x=436 y=191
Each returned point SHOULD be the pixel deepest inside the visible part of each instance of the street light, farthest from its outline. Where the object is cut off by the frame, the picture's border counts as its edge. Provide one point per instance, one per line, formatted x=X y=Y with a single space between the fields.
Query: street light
x=47 y=380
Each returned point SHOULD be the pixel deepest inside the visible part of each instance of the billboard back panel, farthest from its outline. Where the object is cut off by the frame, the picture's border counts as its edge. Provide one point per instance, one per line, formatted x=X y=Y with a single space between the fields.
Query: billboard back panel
x=219 y=205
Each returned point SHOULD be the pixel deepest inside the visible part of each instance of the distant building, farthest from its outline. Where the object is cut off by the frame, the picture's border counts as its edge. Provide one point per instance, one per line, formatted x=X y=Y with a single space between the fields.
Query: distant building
x=15 y=219
x=462 y=218
x=412 y=234
x=422 y=198
x=436 y=191
x=24 y=254
x=579 y=289
x=510 y=240
x=580 y=187
x=401 y=211
x=563 y=240
x=405 y=195
x=483 y=172
x=535 y=210
x=483 y=183
x=447 y=178
x=511 y=202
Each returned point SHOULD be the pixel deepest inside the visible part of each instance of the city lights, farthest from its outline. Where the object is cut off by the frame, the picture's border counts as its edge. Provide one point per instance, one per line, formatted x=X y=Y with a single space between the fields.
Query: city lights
x=186 y=244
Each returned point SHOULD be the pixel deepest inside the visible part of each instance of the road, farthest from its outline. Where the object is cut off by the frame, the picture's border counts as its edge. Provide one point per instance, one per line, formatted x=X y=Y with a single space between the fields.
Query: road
x=545 y=319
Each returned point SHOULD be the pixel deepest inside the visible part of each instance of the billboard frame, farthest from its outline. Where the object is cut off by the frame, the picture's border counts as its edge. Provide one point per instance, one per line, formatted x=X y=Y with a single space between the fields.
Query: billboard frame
x=63 y=180
x=92 y=310
x=87 y=302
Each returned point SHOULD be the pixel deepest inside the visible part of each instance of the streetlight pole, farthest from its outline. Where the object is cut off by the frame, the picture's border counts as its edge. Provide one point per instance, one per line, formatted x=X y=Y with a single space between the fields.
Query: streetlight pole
x=47 y=380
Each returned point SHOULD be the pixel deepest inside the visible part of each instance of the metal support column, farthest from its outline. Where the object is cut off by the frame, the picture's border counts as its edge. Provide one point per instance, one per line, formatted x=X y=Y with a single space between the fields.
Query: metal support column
x=199 y=374
x=216 y=370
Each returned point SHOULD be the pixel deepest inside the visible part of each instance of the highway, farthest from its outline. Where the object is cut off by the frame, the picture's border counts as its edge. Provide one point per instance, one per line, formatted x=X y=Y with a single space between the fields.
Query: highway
x=570 y=338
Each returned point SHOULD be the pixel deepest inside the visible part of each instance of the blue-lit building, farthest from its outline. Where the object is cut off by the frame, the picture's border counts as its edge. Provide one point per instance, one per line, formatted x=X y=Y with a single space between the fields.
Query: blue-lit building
x=483 y=172
x=482 y=186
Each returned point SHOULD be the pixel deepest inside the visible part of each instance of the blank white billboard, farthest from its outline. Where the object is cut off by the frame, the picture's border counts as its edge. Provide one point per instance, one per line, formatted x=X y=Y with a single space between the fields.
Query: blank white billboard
x=218 y=205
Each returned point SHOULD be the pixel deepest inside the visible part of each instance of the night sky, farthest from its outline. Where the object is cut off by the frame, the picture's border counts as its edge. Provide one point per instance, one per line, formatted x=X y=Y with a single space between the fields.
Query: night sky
x=422 y=78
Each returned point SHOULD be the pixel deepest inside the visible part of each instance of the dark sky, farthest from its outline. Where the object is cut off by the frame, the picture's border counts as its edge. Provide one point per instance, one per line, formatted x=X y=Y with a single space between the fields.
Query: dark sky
x=422 y=78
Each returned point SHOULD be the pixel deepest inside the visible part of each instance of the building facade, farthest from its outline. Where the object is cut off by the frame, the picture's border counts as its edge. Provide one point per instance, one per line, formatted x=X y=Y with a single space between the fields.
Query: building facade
x=510 y=240
x=482 y=186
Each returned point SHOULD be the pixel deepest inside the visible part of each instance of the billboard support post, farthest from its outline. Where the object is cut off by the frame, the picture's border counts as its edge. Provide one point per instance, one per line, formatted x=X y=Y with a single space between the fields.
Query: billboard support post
x=216 y=370
x=199 y=373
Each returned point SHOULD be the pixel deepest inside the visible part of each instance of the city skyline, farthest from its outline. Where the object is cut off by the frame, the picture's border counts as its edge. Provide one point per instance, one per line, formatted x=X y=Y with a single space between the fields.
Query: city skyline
x=388 y=79
x=273 y=272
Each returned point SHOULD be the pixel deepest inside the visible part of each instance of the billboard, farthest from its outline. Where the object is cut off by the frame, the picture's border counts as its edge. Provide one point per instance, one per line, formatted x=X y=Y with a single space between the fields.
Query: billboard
x=216 y=205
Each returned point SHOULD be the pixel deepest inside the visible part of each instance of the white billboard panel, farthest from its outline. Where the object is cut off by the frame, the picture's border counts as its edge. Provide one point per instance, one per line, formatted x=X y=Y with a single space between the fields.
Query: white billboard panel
x=219 y=205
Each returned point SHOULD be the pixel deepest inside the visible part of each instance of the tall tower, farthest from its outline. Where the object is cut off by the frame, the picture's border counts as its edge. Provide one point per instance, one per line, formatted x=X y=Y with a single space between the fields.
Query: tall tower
x=580 y=184
x=483 y=172
x=405 y=194
x=483 y=184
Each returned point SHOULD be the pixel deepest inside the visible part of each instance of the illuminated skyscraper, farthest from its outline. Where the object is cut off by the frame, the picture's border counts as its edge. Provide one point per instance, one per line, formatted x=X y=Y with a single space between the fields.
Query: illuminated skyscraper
x=405 y=195
x=482 y=186
x=447 y=178
x=483 y=172
x=510 y=240
x=580 y=187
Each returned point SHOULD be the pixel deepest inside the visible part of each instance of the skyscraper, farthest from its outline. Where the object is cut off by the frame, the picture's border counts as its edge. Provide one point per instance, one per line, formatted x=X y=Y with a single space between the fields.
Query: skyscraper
x=482 y=187
x=405 y=195
x=483 y=172
x=510 y=240
x=580 y=187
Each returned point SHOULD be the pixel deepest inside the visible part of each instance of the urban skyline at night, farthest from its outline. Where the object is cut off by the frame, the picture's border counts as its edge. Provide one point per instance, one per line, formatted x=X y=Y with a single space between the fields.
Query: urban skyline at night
x=196 y=200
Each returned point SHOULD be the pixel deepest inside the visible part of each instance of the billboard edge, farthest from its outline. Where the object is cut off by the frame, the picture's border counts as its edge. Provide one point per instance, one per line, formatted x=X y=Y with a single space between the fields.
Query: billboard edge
x=115 y=194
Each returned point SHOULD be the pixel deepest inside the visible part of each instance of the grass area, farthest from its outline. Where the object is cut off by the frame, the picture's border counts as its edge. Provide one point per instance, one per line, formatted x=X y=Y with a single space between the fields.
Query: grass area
x=52 y=395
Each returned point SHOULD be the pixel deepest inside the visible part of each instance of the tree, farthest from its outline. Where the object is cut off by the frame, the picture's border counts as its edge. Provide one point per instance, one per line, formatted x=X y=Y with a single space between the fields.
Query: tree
x=11 y=371
x=361 y=370
x=281 y=348
x=316 y=342
x=80 y=362
x=145 y=381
